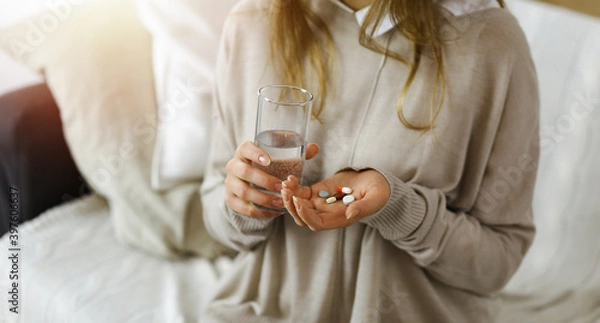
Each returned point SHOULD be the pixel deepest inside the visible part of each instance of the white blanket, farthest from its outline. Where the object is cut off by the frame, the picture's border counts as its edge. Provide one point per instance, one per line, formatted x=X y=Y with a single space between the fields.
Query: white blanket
x=72 y=269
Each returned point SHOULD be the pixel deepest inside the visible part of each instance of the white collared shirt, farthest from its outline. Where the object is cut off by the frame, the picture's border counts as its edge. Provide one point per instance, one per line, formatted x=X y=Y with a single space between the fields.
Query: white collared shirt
x=456 y=7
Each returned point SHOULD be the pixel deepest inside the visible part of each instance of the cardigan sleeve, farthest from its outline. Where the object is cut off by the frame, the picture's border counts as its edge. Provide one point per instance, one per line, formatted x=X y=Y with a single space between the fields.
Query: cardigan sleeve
x=230 y=228
x=477 y=249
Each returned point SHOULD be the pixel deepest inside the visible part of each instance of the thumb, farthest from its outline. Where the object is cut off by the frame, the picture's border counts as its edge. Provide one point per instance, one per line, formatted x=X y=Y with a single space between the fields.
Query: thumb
x=311 y=150
x=360 y=209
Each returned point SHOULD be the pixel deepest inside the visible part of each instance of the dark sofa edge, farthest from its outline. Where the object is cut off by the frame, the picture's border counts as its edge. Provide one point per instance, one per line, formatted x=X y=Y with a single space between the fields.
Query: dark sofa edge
x=36 y=167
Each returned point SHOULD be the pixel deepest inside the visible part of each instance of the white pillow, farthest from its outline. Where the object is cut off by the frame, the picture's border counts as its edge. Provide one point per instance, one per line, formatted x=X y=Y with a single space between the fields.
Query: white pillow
x=185 y=36
x=15 y=75
x=98 y=65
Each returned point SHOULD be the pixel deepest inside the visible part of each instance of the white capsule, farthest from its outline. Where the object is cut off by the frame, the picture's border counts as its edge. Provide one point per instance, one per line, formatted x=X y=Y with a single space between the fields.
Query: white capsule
x=348 y=199
x=346 y=190
x=331 y=200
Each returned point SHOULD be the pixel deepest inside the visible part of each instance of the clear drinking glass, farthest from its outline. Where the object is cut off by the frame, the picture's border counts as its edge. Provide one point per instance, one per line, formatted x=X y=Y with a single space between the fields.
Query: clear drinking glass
x=284 y=112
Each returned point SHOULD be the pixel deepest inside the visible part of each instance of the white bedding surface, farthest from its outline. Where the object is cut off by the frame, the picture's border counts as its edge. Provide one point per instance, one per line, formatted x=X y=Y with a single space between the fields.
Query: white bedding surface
x=72 y=269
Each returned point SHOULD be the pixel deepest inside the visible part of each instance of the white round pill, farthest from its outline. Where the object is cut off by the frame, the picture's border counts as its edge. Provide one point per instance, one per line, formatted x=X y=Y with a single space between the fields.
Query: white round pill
x=348 y=199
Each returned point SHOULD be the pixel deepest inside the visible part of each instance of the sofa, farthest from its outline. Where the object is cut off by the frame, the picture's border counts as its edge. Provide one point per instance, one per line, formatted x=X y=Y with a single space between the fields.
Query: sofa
x=111 y=234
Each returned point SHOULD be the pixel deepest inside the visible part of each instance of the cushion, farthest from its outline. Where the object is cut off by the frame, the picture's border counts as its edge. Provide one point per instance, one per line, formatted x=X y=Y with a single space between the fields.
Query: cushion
x=97 y=63
x=16 y=76
x=185 y=35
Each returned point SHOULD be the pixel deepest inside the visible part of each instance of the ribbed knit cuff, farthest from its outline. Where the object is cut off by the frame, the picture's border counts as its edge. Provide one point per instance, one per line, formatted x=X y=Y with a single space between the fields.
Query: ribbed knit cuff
x=245 y=224
x=402 y=214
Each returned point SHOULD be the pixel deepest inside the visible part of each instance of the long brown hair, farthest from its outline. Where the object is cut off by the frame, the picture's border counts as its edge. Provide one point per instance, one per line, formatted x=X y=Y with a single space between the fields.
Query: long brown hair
x=302 y=46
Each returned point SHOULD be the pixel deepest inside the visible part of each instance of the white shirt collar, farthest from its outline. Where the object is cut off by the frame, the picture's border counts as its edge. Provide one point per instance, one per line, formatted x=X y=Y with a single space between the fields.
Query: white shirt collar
x=386 y=24
x=456 y=7
x=463 y=7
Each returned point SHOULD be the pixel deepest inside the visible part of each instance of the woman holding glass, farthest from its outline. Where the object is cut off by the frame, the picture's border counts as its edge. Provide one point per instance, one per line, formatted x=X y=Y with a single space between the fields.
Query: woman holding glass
x=427 y=109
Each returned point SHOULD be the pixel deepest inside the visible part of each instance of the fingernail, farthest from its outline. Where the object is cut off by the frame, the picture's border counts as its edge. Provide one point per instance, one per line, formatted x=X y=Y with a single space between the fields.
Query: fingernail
x=277 y=203
x=263 y=160
x=353 y=214
x=279 y=186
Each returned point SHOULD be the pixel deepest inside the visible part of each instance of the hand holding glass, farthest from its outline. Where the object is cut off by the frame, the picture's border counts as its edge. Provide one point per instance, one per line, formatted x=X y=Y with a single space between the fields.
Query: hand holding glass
x=284 y=112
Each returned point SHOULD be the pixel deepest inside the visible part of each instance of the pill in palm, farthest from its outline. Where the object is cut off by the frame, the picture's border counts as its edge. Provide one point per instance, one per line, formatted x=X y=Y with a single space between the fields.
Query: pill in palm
x=331 y=200
x=348 y=199
x=344 y=189
x=323 y=194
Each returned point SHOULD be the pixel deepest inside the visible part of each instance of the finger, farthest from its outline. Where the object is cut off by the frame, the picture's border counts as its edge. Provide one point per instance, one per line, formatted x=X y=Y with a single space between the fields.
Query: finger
x=249 y=173
x=365 y=205
x=292 y=183
x=248 y=209
x=248 y=193
x=287 y=196
x=249 y=152
x=312 y=150
x=308 y=214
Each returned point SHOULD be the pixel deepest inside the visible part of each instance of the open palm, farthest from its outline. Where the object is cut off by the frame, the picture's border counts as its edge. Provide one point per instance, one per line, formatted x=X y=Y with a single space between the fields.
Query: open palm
x=370 y=189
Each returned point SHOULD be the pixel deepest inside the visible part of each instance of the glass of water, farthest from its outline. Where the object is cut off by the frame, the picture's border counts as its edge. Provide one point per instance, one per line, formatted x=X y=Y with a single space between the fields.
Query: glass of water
x=282 y=119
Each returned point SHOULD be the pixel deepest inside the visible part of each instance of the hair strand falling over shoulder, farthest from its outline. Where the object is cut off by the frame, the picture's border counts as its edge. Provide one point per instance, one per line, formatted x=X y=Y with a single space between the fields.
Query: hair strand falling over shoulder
x=302 y=47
